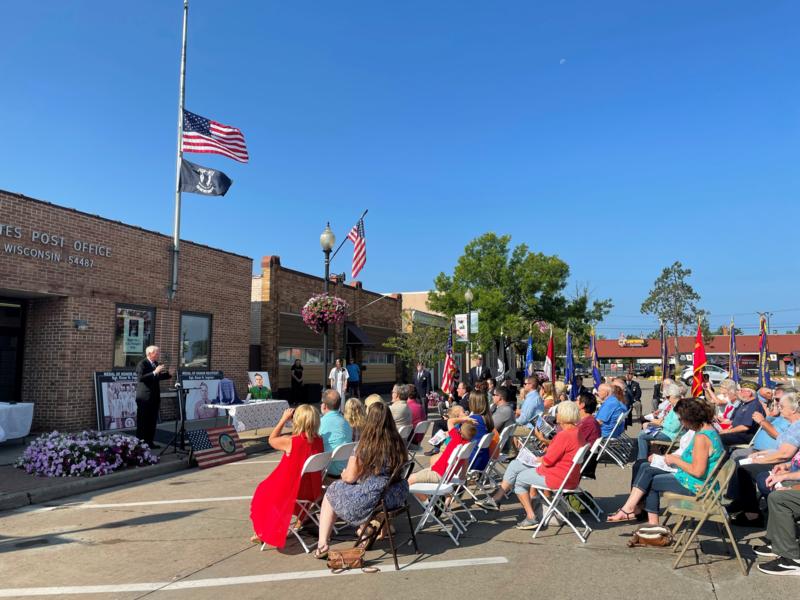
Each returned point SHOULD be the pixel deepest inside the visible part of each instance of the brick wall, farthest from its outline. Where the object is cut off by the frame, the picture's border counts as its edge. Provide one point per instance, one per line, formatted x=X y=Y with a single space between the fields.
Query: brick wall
x=129 y=265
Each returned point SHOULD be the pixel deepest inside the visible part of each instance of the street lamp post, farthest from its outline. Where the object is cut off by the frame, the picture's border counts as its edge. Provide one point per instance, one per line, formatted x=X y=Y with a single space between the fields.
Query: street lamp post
x=326 y=240
x=468 y=296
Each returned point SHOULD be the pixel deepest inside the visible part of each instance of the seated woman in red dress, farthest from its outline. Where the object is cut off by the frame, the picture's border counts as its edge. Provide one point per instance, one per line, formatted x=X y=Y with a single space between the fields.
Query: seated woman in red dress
x=273 y=502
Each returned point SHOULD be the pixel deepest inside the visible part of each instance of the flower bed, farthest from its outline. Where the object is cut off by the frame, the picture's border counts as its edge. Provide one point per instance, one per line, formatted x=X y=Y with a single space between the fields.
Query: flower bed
x=323 y=309
x=84 y=454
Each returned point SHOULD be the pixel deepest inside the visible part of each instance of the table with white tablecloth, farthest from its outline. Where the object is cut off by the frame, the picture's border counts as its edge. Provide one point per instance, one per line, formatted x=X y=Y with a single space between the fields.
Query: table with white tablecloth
x=259 y=414
x=15 y=420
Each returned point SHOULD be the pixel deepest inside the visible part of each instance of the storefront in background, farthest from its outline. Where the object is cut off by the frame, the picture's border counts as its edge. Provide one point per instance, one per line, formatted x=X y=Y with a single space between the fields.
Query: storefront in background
x=81 y=294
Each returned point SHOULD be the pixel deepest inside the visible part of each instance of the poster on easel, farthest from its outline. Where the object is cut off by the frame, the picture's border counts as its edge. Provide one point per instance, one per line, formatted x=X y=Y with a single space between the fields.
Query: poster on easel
x=115 y=396
x=201 y=388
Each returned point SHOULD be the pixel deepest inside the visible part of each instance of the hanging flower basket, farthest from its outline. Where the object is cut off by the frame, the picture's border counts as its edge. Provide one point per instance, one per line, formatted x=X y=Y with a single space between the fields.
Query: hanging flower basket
x=323 y=309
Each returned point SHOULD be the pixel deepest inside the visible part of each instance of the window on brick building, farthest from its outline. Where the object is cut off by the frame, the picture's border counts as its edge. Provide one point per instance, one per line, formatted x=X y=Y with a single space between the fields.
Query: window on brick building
x=133 y=332
x=308 y=356
x=195 y=341
x=378 y=358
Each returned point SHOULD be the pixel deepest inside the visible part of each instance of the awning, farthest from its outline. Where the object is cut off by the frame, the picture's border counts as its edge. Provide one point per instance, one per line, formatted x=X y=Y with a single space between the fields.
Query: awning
x=356 y=335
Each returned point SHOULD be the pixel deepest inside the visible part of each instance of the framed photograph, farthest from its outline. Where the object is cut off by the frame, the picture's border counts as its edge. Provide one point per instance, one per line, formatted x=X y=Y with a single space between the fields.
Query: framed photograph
x=115 y=395
x=201 y=388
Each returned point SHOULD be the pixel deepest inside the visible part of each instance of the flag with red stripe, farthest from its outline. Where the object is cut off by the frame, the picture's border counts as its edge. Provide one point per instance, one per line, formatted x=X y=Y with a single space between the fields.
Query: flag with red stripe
x=449 y=371
x=356 y=236
x=550 y=360
x=699 y=363
x=205 y=136
x=217 y=446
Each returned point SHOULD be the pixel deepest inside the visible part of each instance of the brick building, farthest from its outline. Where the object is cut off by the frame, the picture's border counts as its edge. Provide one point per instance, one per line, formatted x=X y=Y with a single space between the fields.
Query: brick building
x=279 y=336
x=80 y=294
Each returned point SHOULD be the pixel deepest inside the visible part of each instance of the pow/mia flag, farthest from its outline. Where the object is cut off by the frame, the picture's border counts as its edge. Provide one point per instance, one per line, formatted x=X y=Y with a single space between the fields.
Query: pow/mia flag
x=202 y=180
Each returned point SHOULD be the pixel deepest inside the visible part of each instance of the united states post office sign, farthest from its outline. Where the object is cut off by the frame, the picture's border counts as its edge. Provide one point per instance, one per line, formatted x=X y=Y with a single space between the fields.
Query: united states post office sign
x=50 y=246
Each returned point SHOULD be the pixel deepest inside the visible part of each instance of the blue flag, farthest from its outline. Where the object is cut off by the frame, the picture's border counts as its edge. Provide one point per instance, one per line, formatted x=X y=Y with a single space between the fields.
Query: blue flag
x=569 y=371
x=763 y=362
x=595 y=363
x=529 y=358
x=664 y=354
x=733 y=359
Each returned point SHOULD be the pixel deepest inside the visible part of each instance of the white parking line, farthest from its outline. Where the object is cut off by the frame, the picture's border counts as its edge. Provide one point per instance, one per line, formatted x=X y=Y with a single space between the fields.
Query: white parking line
x=190 y=584
x=243 y=463
x=87 y=505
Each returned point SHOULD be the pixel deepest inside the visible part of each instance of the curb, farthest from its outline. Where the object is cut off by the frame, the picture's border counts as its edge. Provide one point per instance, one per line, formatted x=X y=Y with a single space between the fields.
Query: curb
x=81 y=486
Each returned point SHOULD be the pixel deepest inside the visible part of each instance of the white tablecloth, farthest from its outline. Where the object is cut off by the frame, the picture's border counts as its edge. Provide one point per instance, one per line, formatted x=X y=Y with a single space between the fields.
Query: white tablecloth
x=260 y=414
x=15 y=420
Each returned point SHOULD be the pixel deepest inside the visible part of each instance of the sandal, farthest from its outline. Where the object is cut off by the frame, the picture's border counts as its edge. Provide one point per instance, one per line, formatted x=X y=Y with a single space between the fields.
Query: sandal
x=321 y=554
x=368 y=536
x=629 y=516
x=254 y=539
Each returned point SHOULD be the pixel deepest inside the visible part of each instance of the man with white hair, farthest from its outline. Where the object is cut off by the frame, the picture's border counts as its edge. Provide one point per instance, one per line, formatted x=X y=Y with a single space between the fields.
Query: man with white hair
x=610 y=410
x=149 y=374
x=667 y=428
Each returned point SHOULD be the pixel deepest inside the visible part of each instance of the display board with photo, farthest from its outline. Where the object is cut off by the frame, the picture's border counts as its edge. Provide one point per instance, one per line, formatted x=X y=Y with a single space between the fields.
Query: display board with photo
x=200 y=388
x=257 y=380
x=115 y=395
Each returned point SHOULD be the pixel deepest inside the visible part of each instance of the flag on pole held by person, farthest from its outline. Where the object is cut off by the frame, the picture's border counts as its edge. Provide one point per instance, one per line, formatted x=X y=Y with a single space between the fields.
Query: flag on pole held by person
x=359 y=240
x=764 y=379
x=664 y=354
x=733 y=358
x=217 y=446
x=595 y=362
x=569 y=370
x=203 y=180
x=205 y=136
x=550 y=360
x=529 y=357
x=449 y=370
x=698 y=364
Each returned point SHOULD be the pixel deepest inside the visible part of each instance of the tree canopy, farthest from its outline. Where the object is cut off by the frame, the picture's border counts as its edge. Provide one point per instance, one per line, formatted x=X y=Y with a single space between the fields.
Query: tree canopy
x=512 y=288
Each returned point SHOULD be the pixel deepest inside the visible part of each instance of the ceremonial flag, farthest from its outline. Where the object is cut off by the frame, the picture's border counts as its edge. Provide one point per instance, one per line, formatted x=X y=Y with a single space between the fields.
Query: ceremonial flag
x=550 y=360
x=217 y=446
x=356 y=236
x=529 y=358
x=698 y=364
x=763 y=357
x=595 y=363
x=501 y=366
x=205 y=136
x=664 y=354
x=569 y=371
x=449 y=365
x=733 y=360
x=202 y=180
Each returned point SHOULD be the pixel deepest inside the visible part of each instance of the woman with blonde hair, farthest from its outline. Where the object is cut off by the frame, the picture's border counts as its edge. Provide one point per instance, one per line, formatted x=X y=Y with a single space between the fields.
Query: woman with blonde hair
x=372 y=399
x=380 y=452
x=356 y=416
x=274 y=501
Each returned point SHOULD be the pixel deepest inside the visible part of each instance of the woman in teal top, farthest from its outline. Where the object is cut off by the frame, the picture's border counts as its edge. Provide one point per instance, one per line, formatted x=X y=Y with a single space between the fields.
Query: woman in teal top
x=693 y=467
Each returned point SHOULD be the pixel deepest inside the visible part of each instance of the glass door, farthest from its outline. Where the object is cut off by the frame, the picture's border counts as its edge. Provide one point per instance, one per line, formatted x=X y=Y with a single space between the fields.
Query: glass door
x=12 y=323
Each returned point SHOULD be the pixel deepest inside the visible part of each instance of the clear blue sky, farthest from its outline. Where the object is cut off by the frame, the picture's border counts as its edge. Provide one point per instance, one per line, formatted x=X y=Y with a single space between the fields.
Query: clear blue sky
x=620 y=136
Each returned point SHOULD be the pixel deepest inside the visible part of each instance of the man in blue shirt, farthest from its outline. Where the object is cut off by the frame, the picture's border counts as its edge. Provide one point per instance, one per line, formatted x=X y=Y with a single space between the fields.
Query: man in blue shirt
x=532 y=406
x=610 y=410
x=354 y=377
x=333 y=429
x=743 y=427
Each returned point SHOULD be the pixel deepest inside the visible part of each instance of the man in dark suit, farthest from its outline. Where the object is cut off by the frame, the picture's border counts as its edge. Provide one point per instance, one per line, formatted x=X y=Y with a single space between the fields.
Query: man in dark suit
x=478 y=372
x=148 y=394
x=633 y=394
x=424 y=384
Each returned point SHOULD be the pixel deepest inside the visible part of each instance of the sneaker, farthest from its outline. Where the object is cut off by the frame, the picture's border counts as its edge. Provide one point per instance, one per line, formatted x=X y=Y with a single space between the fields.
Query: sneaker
x=486 y=505
x=432 y=452
x=527 y=524
x=781 y=566
x=765 y=551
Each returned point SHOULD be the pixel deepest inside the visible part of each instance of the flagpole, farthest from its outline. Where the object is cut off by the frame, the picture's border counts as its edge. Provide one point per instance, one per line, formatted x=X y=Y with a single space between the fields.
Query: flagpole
x=364 y=214
x=181 y=97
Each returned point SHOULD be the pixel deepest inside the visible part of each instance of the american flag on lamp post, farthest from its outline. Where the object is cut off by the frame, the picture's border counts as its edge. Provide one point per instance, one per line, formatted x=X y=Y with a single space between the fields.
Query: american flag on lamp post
x=359 y=240
x=205 y=136
x=449 y=365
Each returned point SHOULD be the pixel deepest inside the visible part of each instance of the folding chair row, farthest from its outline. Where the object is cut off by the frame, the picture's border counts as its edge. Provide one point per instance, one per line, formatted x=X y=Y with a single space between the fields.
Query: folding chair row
x=617 y=449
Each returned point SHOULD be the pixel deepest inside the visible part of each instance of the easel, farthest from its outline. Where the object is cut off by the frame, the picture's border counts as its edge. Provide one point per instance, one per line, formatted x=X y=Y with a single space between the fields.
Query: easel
x=178 y=441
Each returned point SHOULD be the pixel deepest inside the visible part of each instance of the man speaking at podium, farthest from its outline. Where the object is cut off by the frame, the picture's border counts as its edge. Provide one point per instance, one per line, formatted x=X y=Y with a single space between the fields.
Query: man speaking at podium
x=148 y=394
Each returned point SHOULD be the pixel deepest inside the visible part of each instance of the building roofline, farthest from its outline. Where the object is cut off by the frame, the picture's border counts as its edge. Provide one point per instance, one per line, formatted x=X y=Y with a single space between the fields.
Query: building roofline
x=115 y=222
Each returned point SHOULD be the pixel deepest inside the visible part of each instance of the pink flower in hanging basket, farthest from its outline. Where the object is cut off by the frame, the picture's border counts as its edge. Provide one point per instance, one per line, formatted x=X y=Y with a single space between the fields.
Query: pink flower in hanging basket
x=323 y=309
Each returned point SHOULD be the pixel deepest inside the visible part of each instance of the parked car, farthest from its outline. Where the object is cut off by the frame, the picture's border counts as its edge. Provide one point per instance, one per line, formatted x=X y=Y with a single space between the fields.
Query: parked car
x=644 y=370
x=581 y=371
x=715 y=374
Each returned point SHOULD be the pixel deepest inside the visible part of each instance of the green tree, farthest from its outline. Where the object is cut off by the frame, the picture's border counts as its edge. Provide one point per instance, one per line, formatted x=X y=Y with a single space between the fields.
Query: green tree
x=726 y=330
x=424 y=343
x=512 y=288
x=674 y=301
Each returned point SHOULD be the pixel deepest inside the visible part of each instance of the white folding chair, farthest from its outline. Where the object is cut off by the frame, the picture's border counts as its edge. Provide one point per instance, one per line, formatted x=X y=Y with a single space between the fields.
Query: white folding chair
x=588 y=501
x=316 y=463
x=474 y=477
x=405 y=433
x=341 y=453
x=559 y=506
x=435 y=506
x=420 y=429
x=492 y=474
x=613 y=449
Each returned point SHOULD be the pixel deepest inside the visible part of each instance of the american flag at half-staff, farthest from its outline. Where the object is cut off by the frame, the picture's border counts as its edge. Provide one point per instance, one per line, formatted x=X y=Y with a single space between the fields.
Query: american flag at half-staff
x=356 y=236
x=217 y=446
x=205 y=136
x=448 y=373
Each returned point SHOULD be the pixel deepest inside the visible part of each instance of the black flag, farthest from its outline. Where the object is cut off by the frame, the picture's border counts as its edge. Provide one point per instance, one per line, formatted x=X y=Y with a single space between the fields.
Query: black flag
x=202 y=180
